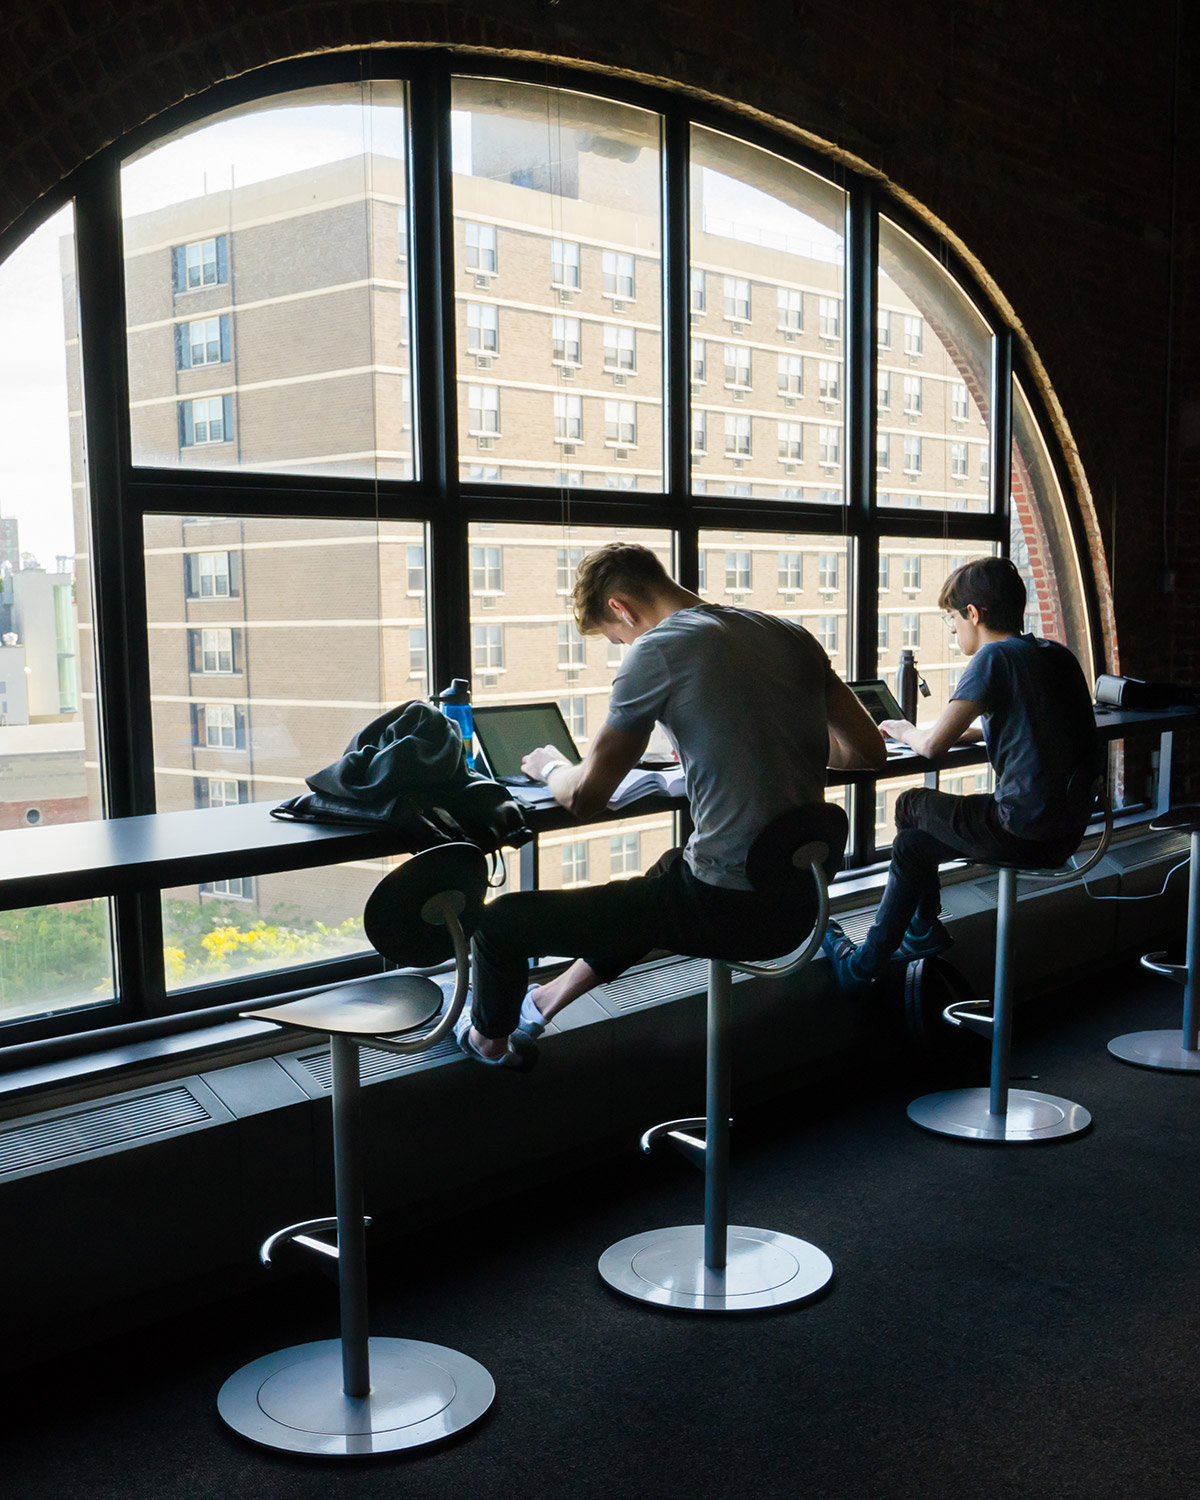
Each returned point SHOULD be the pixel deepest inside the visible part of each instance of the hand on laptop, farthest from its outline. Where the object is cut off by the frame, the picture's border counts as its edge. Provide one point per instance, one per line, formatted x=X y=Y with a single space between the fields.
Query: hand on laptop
x=894 y=729
x=534 y=764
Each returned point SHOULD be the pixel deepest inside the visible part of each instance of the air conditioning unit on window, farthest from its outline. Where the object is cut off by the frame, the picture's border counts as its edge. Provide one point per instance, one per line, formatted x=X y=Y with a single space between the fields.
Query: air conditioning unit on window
x=789 y=338
x=739 y=463
x=483 y=361
x=618 y=307
x=737 y=327
x=568 y=372
x=568 y=450
x=572 y=674
x=486 y=443
x=789 y=468
x=828 y=405
x=482 y=281
x=488 y=601
x=914 y=359
x=620 y=379
x=565 y=294
x=696 y=316
x=739 y=395
x=620 y=452
x=790 y=402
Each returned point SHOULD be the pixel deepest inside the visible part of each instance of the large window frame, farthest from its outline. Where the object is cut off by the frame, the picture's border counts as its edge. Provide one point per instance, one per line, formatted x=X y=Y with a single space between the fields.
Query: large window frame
x=122 y=494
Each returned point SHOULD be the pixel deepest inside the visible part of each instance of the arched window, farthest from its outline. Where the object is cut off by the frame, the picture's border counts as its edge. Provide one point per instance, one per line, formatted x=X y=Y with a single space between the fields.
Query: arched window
x=315 y=394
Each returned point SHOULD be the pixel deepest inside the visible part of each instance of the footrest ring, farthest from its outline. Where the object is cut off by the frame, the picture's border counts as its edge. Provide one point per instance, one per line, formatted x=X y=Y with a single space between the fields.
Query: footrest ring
x=301 y=1234
x=1157 y=964
x=973 y=1015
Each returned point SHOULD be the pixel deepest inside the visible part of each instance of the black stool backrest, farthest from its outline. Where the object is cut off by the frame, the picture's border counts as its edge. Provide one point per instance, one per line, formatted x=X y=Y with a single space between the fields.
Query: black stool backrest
x=403 y=918
x=781 y=855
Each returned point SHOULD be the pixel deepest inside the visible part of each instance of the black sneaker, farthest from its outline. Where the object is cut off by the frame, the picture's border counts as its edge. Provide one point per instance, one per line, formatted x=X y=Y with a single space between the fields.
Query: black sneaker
x=839 y=950
x=926 y=944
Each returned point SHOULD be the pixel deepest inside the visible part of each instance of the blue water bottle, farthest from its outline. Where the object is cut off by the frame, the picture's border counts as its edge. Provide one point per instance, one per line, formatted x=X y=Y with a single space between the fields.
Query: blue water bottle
x=456 y=704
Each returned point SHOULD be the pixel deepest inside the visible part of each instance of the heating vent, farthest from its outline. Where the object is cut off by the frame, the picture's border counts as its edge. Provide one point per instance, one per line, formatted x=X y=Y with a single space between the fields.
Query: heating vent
x=670 y=982
x=1149 y=849
x=373 y=1063
x=85 y=1131
x=856 y=926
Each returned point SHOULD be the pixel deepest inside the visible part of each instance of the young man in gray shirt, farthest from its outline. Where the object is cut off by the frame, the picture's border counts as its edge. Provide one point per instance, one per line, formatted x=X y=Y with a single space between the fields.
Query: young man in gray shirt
x=756 y=713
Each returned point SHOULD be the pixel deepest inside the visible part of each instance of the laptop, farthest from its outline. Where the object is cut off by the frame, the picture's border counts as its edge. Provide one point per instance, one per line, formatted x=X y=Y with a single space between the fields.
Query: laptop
x=507 y=732
x=880 y=702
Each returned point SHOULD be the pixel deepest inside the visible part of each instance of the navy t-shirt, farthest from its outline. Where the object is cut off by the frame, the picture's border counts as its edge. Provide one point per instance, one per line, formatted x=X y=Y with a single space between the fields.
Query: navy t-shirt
x=1038 y=726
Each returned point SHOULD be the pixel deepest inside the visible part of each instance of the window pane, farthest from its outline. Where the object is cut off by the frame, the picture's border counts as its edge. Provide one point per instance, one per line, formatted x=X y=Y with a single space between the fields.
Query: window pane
x=1042 y=544
x=266 y=278
x=767 y=244
x=801 y=578
x=52 y=957
x=936 y=369
x=598 y=852
x=557 y=232
x=252 y=691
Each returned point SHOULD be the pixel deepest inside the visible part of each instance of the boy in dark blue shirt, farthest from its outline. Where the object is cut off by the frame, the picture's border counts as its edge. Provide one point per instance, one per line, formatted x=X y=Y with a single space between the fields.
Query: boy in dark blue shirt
x=1038 y=727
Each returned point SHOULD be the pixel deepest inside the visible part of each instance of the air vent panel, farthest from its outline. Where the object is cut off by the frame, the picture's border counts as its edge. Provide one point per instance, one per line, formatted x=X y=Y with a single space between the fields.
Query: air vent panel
x=87 y=1131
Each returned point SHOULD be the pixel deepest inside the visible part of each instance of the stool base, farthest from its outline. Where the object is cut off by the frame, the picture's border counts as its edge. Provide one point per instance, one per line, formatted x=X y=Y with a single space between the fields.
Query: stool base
x=665 y=1267
x=293 y=1400
x=1156 y=1049
x=965 y=1113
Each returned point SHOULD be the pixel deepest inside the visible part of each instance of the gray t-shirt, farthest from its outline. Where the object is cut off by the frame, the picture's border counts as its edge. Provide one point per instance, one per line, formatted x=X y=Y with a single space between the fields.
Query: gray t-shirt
x=742 y=694
x=1038 y=726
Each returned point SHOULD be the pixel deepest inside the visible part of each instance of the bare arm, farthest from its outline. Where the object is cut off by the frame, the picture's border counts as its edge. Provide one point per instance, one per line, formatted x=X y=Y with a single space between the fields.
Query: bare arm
x=951 y=728
x=585 y=789
x=854 y=741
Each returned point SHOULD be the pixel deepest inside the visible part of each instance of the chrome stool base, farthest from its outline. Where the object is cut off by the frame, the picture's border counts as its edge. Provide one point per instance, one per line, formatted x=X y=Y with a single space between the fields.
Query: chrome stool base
x=293 y=1400
x=1156 y=1049
x=966 y=1114
x=666 y=1268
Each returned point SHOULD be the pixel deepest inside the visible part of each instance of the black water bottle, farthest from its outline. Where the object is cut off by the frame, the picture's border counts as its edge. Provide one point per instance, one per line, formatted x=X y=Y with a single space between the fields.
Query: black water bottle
x=906 y=686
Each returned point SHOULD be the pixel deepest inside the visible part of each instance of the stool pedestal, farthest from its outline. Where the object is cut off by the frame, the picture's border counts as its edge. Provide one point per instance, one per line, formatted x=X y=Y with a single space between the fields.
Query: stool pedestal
x=1173 y=1051
x=716 y=1266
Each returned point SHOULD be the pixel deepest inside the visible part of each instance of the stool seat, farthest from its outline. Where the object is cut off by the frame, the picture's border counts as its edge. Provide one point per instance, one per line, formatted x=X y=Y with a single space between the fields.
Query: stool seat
x=1179 y=819
x=384 y=1006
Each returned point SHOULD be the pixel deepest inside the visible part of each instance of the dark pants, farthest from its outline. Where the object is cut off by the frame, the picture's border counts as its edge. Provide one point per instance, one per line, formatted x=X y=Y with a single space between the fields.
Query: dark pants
x=613 y=926
x=932 y=827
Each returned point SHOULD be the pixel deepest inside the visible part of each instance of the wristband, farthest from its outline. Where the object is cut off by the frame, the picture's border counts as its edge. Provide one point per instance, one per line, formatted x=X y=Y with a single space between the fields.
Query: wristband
x=553 y=766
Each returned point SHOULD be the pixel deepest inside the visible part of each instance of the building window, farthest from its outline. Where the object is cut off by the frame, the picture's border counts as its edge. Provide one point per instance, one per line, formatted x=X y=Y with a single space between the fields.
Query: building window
x=565 y=340
x=202 y=263
x=568 y=479
x=415 y=561
x=222 y=791
x=696 y=285
x=210 y=575
x=985 y=464
x=240 y=889
x=699 y=431
x=829 y=380
x=885 y=571
x=883 y=329
x=483 y=473
x=699 y=362
x=618 y=347
x=737 y=572
x=912 y=395
x=564 y=263
x=883 y=390
x=486 y=574
x=620 y=481
x=207 y=420
x=791 y=310
x=488 y=643
x=483 y=328
x=620 y=423
x=483 y=409
x=912 y=454
x=883 y=453
x=958 y=460
x=575 y=862
x=827 y=570
x=829 y=313
x=737 y=366
x=617 y=270
x=827 y=632
x=881 y=639
x=616 y=653
x=791 y=572
x=790 y=377
x=911 y=632
x=218 y=726
x=737 y=299
x=215 y=652
x=574 y=711
x=958 y=403
x=481 y=247
x=203 y=342
x=913 y=335
x=912 y=573
x=572 y=648
x=417 y=659
x=737 y=436
x=567 y=560
x=829 y=445
x=625 y=853
x=568 y=418
x=791 y=442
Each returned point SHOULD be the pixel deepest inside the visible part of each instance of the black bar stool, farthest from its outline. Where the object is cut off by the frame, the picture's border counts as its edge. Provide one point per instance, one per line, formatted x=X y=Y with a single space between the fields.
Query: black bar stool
x=357 y=1395
x=1174 y=1051
x=1000 y=1113
x=717 y=1266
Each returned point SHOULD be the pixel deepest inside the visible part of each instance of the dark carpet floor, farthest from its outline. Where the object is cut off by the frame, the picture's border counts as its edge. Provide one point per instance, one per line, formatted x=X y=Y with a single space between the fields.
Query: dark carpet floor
x=1017 y=1322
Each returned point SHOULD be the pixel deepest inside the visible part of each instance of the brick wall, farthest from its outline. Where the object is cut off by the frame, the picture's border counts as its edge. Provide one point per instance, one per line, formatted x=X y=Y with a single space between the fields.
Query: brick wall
x=1041 y=135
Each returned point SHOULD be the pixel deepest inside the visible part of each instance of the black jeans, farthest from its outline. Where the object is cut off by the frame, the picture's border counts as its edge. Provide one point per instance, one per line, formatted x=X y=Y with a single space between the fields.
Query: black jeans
x=931 y=827
x=613 y=926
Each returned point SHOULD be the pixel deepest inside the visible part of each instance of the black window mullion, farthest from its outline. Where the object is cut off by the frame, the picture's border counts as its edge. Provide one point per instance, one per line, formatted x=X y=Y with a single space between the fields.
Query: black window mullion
x=431 y=231
x=861 y=301
x=118 y=568
x=677 y=374
x=1000 y=434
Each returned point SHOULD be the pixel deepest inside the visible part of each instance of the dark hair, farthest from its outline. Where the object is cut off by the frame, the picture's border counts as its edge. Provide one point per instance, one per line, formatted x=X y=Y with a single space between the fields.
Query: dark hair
x=993 y=586
x=616 y=568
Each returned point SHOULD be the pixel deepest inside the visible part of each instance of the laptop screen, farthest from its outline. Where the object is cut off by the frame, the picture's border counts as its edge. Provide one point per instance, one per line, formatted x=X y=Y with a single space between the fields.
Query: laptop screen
x=508 y=732
x=876 y=697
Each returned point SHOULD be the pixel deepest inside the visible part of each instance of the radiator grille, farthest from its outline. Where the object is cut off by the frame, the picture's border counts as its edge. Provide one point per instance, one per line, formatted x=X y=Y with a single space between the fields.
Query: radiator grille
x=88 y=1130
x=373 y=1063
x=670 y=982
